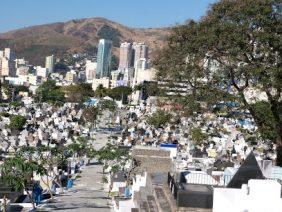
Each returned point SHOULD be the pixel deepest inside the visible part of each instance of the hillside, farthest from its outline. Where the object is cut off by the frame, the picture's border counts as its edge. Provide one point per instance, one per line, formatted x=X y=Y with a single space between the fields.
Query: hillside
x=35 y=42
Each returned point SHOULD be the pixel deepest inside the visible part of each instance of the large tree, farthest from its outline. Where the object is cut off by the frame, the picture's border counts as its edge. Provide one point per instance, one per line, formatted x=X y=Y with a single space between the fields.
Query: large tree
x=78 y=93
x=237 y=46
x=49 y=92
x=120 y=93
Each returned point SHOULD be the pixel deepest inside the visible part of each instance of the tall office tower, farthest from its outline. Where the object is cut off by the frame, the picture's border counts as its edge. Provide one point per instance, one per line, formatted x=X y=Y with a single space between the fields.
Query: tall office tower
x=90 y=70
x=104 y=58
x=125 y=56
x=8 y=54
x=50 y=63
x=141 y=51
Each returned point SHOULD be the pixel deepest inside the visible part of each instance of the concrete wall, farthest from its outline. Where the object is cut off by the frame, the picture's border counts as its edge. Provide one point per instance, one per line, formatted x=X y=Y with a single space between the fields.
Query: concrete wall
x=153 y=160
x=257 y=196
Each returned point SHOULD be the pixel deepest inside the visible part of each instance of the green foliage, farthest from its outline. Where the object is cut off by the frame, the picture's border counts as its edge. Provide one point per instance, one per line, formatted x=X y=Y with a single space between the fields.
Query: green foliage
x=108 y=105
x=110 y=33
x=101 y=92
x=104 y=180
x=237 y=44
x=197 y=135
x=15 y=104
x=152 y=89
x=49 y=92
x=61 y=67
x=113 y=155
x=90 y=114
x=18 y=172
x=81 y=147
x=8 y=89
x=120 y=93
x=17 y=122
x=4 y=114
x=114 y=62
x=21 y=88
x=159 y=118
x=78 y=93
x=91 y=51
x=263 y=111
x=115 y=169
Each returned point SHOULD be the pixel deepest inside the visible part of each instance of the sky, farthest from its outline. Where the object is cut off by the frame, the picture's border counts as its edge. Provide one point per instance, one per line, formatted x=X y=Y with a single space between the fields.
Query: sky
x=133 y=13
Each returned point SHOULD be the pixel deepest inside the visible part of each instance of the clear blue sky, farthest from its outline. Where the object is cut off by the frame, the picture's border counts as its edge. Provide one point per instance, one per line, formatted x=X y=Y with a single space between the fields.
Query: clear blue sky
x=134 y=13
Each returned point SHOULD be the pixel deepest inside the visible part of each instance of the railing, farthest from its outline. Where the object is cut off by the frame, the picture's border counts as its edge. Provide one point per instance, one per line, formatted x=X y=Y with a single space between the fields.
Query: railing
x=205 y=179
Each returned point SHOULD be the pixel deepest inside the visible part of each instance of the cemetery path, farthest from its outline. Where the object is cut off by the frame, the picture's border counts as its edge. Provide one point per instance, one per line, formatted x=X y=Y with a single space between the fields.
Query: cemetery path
x=87 y=193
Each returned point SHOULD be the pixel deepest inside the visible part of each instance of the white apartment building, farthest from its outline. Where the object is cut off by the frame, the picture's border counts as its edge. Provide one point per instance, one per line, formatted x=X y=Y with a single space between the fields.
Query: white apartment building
x=105 y=82
x=71 y=77
x=41 y=72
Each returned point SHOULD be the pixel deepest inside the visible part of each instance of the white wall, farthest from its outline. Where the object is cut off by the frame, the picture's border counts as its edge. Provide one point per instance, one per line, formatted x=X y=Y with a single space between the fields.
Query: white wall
x=257 y=196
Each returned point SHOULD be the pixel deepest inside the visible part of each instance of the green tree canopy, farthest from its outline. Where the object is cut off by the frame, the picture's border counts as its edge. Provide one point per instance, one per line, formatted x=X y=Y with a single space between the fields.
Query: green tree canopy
x=49 y=92
x=120 y=93
x=159 y=118
x=78 y=93
x=101 y=92
x=18 y=173
x=107 y=105
x=197 y=135
x=236 y=45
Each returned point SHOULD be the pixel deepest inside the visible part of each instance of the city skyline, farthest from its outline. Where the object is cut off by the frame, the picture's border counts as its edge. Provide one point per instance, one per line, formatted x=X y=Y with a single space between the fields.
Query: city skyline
x=125 y=12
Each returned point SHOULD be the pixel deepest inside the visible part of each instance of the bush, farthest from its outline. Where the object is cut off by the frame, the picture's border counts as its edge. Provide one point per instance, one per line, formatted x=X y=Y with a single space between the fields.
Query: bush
x=159 y=118
x=197 y=135
x=15 y=104
x=17 y=122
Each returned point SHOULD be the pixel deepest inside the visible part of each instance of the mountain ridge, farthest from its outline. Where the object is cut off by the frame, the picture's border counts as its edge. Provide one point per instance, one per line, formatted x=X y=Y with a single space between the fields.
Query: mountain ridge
x=77 y=35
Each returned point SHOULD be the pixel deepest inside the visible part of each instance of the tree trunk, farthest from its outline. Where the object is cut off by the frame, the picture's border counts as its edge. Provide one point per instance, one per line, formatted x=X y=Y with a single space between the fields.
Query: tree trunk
x=275 y=109
x=48 y=187
x=4 y=199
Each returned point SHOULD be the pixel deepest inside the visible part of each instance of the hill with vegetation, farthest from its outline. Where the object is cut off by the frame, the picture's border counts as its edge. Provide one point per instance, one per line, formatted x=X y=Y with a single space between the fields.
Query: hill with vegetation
x=76 y=36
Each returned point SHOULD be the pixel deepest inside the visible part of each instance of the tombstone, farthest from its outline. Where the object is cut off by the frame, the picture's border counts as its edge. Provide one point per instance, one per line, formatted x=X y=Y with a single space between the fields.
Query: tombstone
x=248 y=170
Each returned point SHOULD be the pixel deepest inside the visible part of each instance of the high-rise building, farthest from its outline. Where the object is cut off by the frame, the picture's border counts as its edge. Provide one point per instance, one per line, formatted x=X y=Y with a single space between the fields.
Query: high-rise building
x=7 y=67
x=7 y=63
x=9 y=54
x=104 y=58
x=50 y=63
x=125 y=56
x=141 y=51
x=90 y=70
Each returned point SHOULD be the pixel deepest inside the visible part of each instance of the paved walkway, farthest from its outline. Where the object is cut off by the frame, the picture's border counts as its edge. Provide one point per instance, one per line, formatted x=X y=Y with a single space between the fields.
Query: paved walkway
x=87 y=193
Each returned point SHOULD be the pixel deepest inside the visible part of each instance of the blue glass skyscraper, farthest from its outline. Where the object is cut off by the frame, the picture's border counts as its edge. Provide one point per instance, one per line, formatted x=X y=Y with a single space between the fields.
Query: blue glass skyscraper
x=104 y=58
